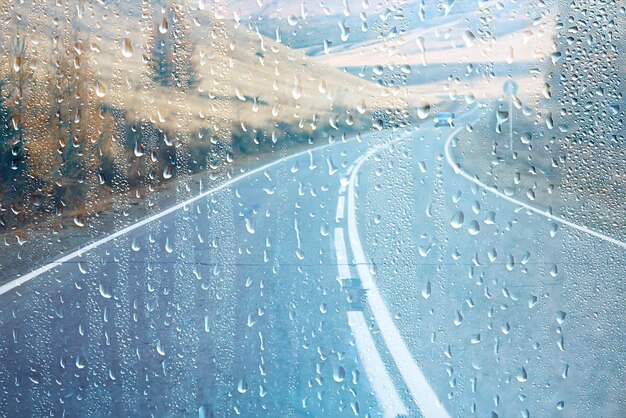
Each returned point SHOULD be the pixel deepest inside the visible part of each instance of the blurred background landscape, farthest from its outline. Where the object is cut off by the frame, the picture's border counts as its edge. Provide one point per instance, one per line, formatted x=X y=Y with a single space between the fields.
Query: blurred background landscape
x=110 y=111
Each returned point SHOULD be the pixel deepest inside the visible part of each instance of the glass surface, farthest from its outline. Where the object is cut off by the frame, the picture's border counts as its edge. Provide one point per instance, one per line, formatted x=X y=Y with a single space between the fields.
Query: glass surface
x=373 y=208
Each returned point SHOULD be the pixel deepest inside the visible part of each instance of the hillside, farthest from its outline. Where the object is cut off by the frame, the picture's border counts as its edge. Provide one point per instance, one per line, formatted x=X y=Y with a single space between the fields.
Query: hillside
x=103 y=104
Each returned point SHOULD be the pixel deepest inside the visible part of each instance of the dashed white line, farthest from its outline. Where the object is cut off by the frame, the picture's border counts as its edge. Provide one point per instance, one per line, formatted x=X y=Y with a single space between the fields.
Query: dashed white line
x=342 y=255
x=377 y=374
x=340 y=208
x=375 y=369
x=423 y=394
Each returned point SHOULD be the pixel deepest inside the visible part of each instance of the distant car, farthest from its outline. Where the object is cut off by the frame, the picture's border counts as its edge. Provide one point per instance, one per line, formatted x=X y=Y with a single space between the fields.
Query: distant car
x=444 y=119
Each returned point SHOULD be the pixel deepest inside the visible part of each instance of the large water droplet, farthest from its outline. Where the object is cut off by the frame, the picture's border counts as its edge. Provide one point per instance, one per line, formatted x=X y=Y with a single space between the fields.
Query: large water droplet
x=164 y=26
x=250 y=225
x=474 y=228
x=127 y=48
x=423 y=110
x=339 y=374
x=457 y=219
x=468 y=38
x=101 y=89
x=242 y=386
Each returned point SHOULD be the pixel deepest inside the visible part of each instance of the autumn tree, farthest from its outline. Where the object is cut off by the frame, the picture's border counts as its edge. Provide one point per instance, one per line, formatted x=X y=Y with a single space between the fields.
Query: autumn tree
x=13 y=154
x=76 y=122
x=7 y=140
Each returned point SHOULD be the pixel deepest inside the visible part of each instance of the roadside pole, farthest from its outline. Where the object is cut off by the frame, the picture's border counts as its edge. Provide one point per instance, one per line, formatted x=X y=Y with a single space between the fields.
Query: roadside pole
x=510 y=87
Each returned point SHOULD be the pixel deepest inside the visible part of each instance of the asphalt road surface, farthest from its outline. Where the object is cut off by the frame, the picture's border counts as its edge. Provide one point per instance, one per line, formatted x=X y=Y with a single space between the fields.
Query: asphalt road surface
x=364 y=277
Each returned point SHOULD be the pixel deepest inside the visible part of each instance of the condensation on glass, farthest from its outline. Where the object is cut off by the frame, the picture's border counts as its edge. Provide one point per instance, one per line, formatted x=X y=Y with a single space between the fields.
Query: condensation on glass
x=325 y=209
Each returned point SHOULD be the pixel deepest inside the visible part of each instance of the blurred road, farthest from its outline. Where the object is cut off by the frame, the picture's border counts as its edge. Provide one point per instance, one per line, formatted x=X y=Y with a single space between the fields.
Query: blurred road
x=361 y=277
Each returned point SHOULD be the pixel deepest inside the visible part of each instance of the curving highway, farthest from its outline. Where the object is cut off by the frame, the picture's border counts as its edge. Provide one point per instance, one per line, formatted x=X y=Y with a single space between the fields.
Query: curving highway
x=361 y=277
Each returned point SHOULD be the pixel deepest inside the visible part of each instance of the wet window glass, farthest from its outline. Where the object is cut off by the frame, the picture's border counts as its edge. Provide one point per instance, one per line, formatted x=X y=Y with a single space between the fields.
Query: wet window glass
x=338 y=208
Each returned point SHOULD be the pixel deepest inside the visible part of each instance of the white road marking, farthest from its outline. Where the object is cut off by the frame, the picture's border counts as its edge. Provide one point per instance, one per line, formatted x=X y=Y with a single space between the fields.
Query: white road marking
x=342 y=255
x=340 y=208
x=423 y=394
x=458 y=170
x=377 y=374
x=421 y=391
x=375 y=369
x=79 y=252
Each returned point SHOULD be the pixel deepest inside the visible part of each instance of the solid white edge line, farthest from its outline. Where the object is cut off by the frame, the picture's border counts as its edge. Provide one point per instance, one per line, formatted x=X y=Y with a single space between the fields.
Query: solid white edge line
x=377 y=374
x=423 y=394
x=18 y=281
x=340 y=208
x=458 y=170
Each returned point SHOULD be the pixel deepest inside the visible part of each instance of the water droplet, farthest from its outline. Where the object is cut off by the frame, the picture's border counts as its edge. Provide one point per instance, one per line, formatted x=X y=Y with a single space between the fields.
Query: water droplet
x=242 y=386
x=104 y=291
x=553 y=229
x=127 y=48
x=423 y=251
x=101 y=89
x=250 y=224
x=138 y=150
x=332 y=169
x=159 y=348
x=339 y=374
x=168 y=172
x=164 y=26
x=361 y=107
x=554 y=270
x=510 y=264
x=80 y=362
x=168 y=245
x=296 y=92
x=469 y=38
x=457 y=220
x=423 y=110
x=474 y=228
x=459 y=319
x=560 y=342
x=490 y=218
x=522 y=376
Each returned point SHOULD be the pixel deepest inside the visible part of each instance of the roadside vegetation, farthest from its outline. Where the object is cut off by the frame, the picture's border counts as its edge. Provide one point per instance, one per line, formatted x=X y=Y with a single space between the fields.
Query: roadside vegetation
x=92 y=123
x=545 y=169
